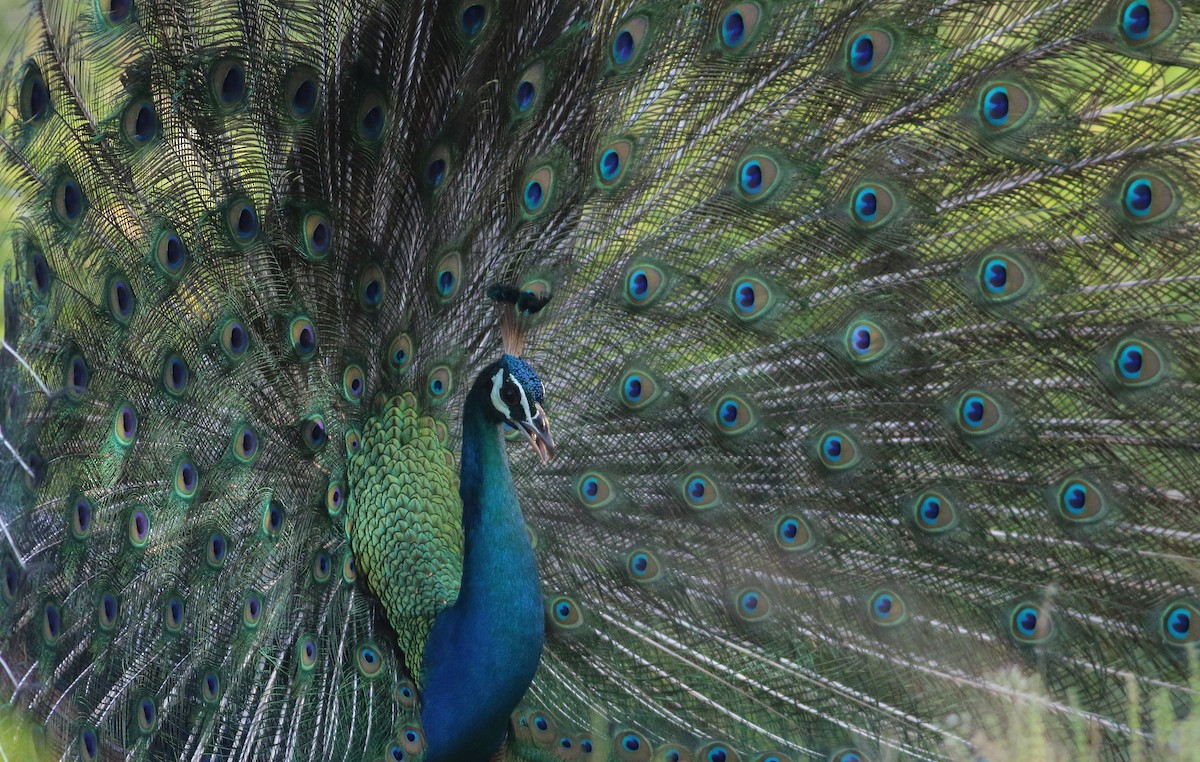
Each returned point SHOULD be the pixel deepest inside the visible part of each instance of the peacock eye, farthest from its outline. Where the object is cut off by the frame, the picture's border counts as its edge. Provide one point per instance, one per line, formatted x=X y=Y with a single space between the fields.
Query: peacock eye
x=510 y=395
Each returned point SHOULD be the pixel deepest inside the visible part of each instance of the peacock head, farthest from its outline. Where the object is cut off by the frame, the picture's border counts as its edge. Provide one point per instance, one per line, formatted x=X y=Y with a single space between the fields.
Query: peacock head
x=517 y=395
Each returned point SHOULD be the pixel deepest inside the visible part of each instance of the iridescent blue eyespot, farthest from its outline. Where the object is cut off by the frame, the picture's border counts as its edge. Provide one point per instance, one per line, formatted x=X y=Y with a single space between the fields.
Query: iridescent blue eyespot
x=933 y=513
x=699 y=491
x=837 y=450
x=245 y=444
x=632 y=745
x=125 y=425
x=718 y=752
x=865 y=341
x=867 y=51
x=1143 y=22
x=872 y=205
x=753 y=605
x=793 y=533
x=399 y=353
x=643 y=566
x=89 y=745
x=1138 y=197
x=738 y=25
x=1004 y=105
x=752 y=177
x=523 y=98
x=170 y=254
x=1079 y=501
x=733 y=415
x=638 y=389
x=106 y=614
x=757 y=176
x=1137 y=363
x=371 y=288
x=1030 y=624
x=228 y=82
x=116 y=11
x=1177 y=624
x=533 y=195
x=440 y=383
x=887 y=608
x=354 y=383
x=39 y=273
x=272 y=521
x=1148 y=197
x=627 y=42
x=642 y=284
x=187 y=479
x=301 y=92
x=633 y=389
x=978 y=413
x=79 y=517
x=173 y=614
x=846 y=755
x=610 y=165
x=78 y=375
x=312 y=433
x=1135 y=20
x=34 y=101
x=322 y=567
x=862 y=53
x=1002 y=278
x=435 y=172
x=595 y=490
x=372 y=117
x=733 y=29
x=210 y=687
x=139 y=123
x=147 y=716
x=611 y=162
x=750 y=298
x=995 y=108
x=243 y=222
x=215 y=552
x=69 y=201
x=306 y=651
x=120 y=300
x=52 y=625
x=536 y=192
x=234 y=340
x=565 y=612
x=472 y=20
x=369 y=661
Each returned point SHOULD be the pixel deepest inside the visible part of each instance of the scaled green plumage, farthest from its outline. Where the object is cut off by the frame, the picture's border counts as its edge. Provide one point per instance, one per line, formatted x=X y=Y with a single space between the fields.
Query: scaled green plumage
x=871 y=356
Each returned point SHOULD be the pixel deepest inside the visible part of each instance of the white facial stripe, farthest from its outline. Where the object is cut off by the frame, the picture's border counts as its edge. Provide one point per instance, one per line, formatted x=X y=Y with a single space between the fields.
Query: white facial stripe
x=497 y=382
x=498 y=403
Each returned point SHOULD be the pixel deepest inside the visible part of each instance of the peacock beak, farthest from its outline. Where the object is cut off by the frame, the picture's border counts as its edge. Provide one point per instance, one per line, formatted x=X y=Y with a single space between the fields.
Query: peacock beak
x=538 y=431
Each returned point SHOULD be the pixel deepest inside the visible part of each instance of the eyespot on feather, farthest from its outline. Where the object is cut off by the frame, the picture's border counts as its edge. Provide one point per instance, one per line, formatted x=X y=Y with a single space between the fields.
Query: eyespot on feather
x=1142 y=23
x=867 y=51
x=628 y=42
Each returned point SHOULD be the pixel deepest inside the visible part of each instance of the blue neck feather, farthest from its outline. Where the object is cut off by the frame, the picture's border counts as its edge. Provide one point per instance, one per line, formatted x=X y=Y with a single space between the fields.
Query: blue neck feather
x=483 y=651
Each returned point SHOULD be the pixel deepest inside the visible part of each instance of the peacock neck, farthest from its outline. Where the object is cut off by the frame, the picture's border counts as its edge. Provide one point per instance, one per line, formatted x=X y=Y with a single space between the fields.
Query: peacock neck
x=483 y=651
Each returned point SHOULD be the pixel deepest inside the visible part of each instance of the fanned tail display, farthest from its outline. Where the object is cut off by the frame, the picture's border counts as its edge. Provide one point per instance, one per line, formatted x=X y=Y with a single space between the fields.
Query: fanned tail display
x=868 y=328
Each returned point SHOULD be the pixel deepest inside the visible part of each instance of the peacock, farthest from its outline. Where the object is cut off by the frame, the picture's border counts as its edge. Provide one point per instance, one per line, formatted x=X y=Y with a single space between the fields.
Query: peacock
x=869 y=330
